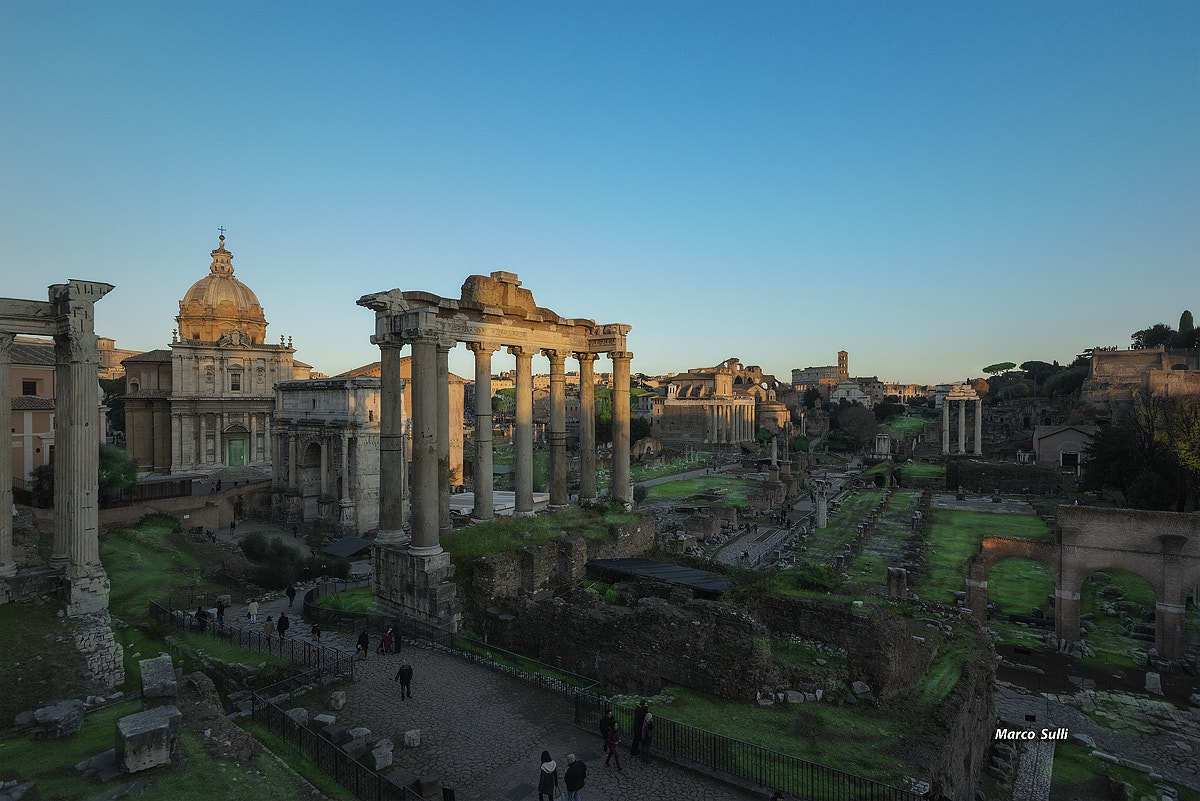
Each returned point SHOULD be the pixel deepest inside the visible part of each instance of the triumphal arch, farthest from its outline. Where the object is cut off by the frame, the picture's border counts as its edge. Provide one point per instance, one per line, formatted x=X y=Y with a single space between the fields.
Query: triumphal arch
x=1161 y=547
x=68 y=317
x=411 y=570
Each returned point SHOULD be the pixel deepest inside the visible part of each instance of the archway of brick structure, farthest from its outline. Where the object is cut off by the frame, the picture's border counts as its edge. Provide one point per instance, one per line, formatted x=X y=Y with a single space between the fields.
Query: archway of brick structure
x=1161 y=547
x=1117 y=597
x=997 y=549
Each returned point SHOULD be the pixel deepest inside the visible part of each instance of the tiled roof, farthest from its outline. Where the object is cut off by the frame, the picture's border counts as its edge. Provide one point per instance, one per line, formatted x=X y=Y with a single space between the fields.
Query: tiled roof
x=33 y=353
x=160 y=355
x=32 y=403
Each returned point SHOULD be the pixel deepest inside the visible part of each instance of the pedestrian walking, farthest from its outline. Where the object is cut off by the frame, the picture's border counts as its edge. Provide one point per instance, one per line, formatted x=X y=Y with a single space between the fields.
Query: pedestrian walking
x=252 y=611
x=364 y=642
x=269 y=627
x=647 y=735
x=574 y=777
x=610 y=745
x=232 y=526
x=404 y=676
x=201 y=619
x=395 y=635
x=291 y=594
x=547 y=778
x=220 y=613
x=283 y=625
x=315 y=633
x=639 y=717
x=385 y=643
x=606 y=724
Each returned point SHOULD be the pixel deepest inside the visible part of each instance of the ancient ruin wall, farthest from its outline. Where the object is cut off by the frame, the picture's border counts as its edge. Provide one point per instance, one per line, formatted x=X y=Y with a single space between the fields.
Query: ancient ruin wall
x=541 y=570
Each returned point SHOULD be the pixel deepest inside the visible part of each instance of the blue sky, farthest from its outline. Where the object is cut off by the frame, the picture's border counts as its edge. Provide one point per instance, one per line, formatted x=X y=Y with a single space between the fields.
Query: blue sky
x=933 y=187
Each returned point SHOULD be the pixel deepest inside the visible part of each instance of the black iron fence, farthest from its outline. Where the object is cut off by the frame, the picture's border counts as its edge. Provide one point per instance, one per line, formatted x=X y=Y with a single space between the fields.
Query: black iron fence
x=324 y=658
x=747 y=762
x=362 y=780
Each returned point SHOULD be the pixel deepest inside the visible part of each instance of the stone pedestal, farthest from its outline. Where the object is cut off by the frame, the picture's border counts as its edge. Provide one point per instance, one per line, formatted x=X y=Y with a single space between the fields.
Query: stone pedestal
x=147 y=739
x=418 y=586
x=86 y=587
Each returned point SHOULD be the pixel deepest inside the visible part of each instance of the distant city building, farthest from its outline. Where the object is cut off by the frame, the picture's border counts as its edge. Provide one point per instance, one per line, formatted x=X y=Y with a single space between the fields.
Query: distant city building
x=717 y=407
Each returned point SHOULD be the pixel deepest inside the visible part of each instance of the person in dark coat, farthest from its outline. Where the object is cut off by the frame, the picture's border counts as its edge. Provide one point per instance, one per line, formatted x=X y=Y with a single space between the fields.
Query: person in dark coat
x=639 y=717
x=201 y=619
x=607 y=723
x=364 y=643
x=647 y=735
x=547 y=778
x=404 y=676
x=220 y=612
x=282 y=625
x=574 y=777
x=291 y=594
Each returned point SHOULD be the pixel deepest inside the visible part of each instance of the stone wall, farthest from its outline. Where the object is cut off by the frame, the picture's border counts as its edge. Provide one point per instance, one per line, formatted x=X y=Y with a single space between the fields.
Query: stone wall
x=640 y=648
x=1013 y=479
x=881 y=648
x=541 y=570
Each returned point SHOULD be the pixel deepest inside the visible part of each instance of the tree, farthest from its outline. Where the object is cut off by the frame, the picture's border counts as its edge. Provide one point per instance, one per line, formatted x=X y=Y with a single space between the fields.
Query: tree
x=1038 y=372
x=858 y=424
x=811 y=396
x=888 y=409
x=117 y=471
x=999 y=367
x=113 y=396
x=1185 y=322
x=1152 y=337
x=1189 y=335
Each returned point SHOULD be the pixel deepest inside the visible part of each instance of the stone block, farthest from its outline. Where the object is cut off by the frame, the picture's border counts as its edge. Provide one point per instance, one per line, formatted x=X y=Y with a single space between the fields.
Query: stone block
x=59 y=720
x=412 y=738
x=298 y=714
x=1154 y=683
x=337 y=700
x=323 y=719
x=402 y=779
x=384 y=742
x=355 y=747
x=378 y=758
x=146 y=739
x=428 y=787
x=360 y=731
x=793 y=696
x=337 y=733
x=158 y=682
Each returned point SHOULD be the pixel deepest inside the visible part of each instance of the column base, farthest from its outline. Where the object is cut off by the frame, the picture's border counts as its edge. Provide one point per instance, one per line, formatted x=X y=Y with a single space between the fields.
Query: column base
x=393 y=539
x=425 y=551
x=529 y=513
x=477 y=520
x=86 y=588
x=417 y=585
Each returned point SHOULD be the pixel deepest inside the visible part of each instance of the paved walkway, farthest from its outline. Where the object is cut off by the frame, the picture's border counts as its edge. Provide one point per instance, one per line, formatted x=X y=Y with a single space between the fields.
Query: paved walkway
x=482 y=733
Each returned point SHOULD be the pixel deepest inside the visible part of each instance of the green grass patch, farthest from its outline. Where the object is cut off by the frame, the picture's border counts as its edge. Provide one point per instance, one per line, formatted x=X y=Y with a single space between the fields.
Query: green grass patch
x=1018 y=586
x=298 y=761
x=51 y=765
x=681 y=464
x=1075 y=767
x=856 y=739
x=361 y=600
x=954 y=537
x=921 y=471
x=946 y=669
x=905 y=426
x=703 y=490
x=39 y=661
x=468 y=544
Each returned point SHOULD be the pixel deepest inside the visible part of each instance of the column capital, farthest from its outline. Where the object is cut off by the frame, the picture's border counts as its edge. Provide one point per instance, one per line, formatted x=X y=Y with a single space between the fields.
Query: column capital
x=586 y=356
x=479 y=348
x=446 y=342
x=621 y=355
x=556 y=357
x=520 y=350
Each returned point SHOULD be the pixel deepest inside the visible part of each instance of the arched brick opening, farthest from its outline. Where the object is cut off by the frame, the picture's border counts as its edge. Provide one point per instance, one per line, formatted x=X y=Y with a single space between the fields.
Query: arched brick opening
x=995 y=549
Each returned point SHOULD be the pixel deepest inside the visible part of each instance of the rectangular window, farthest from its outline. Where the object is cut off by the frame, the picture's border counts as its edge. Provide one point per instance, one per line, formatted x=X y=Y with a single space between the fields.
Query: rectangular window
x=235 y=382
x=1069 y=459
x=29 y=388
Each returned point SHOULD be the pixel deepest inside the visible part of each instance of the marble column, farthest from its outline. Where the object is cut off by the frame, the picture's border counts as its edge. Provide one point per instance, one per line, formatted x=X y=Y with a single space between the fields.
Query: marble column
x=443 y=427
x=523 y=436
x=293 y=467
x=946 y=425
x=425 y=505
x=587 y=427
x=621 y=490
x=8 y=565
x=484 y=504
x=324 y=442
x=962 y=426
x=979 y=427
x=393 y=459
x=77 y=446
x=558 y=428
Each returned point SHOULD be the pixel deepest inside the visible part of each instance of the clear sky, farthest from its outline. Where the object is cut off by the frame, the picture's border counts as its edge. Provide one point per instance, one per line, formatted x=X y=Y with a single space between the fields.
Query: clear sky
x=933 y=187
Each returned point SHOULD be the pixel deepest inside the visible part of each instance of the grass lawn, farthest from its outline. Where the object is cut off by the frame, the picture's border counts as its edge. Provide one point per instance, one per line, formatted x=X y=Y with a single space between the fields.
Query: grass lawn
x=858 y=740
x=705 y=490
x=905 y=426
x=887 y=544
x=193 y=775
x=915 y=471
x=468 y=544
x=954 y=537
x=682 y=464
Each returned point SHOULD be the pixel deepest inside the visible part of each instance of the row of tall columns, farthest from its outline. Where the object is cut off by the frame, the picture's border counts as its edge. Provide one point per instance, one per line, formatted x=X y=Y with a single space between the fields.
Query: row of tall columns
x=729 y=424
x=962 y=426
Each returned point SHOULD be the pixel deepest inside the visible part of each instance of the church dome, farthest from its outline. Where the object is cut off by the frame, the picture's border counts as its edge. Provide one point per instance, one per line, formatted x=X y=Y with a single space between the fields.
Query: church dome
x=219 y=306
